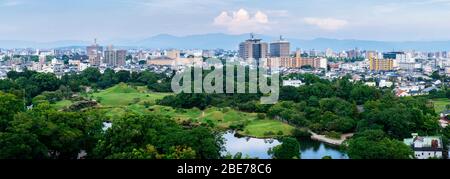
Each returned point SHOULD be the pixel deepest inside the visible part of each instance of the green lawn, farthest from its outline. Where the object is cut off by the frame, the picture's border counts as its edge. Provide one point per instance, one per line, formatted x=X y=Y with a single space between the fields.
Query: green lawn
x=122 y=98
x=62 y=104
x=124 y=95
x=266 y=128
x=440 y=104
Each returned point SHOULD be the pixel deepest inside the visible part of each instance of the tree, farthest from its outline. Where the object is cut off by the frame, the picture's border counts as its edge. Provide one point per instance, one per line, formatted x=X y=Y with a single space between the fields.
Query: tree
x=135 y=132
x=46 y=133
x=435 y=75
x=374 y=144
x=363 y=93
x=108 y=79
x=9 y=106
x=123 y=76
x=91 y=74
x=45 y=81
x=289 y=149
x=399 y=117
x=21 y=146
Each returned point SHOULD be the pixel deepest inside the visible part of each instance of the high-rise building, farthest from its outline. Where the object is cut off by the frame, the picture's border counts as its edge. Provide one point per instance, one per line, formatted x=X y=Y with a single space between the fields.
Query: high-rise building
x=121 y=56
x=253 y=49
x=110 y=56
x=329 y=52
x=114 y=57
x=281 y=48
x=95 y=53
x=355 y=53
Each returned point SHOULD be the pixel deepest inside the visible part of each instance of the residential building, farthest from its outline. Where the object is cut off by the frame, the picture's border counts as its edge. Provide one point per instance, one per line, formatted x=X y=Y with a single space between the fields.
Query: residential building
x=425 y=147
x=115 y=58
x=376 y=64
x=313 y=62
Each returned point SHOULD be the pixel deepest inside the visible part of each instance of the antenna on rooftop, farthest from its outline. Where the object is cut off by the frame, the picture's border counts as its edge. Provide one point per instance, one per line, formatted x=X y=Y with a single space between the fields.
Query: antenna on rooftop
x=281 y=38
x=252 y=35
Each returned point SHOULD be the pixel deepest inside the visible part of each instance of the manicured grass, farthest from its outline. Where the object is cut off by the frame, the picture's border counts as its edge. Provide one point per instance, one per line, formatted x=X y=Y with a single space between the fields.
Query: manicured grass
x=124 y=95
x=267 y=128
x=440 y=104
x=122 y=98
x=222 y=119
x=62 y=104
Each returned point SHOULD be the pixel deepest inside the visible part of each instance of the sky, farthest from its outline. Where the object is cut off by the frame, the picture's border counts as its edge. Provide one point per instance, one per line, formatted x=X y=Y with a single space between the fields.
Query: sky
x=384 y=20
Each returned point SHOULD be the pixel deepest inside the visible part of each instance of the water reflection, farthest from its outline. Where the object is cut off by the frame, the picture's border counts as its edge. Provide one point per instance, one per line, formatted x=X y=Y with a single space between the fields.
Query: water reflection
x=254 y=147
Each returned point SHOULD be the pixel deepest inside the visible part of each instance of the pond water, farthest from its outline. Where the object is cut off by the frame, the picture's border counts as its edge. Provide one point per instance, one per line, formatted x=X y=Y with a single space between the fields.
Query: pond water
x=254 y=147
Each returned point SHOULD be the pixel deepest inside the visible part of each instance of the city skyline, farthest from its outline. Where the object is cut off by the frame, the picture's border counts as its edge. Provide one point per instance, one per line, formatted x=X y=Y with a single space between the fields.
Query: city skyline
x=52 y=20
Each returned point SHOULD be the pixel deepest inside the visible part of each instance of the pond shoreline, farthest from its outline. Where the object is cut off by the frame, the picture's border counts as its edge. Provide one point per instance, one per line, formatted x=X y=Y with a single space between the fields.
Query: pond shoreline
x=330 y=141
x=257 y=147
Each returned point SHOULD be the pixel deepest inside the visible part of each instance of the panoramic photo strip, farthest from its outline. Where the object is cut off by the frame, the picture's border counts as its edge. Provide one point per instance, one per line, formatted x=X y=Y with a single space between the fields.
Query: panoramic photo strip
x=208 y=87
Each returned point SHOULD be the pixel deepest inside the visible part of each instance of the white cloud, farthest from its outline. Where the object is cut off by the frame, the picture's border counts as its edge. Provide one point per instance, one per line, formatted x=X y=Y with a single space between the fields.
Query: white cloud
x=242 y=21
x=10 y=3
x=326 y=23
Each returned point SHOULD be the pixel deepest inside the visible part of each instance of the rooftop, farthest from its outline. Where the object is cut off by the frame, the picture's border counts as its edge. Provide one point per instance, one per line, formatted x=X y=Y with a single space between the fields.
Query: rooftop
x=420 y=143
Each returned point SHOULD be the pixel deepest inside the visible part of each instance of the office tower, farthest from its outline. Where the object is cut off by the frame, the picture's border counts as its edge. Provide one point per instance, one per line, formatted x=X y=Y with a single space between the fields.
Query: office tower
x=281 y=48
x=95 y=53
x=253 y=49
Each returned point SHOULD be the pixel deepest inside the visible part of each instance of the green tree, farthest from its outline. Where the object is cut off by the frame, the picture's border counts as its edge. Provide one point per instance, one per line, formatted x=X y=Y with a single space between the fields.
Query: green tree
x=289 y=149
x=91 y=74
x=9 y=106
x=374 y=144
x=123 y=76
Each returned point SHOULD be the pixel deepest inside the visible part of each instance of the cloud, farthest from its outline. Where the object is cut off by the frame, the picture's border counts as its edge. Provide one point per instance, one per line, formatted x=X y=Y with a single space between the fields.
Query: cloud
x=10 y=3
x=424 y=2
x=326 y=23
x=242 y=21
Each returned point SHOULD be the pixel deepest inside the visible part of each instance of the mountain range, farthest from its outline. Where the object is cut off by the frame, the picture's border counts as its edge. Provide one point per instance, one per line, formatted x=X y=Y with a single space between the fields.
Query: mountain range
x=230 y=42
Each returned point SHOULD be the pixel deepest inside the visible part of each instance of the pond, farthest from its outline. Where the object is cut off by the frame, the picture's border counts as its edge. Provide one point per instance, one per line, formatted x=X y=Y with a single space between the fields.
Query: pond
x=254 y=147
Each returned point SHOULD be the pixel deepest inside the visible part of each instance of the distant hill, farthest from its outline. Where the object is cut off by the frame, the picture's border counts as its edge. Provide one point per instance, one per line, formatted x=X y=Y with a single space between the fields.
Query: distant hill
x=30 y=44
x=225 y=41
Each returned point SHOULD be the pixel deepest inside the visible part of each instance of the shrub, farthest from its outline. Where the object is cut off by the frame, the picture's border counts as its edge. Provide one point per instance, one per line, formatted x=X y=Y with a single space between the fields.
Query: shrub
x=301 y=133
x=225 y=110
x=261 y=116
x=269 y=133
x=280 y=133
x=237 y=126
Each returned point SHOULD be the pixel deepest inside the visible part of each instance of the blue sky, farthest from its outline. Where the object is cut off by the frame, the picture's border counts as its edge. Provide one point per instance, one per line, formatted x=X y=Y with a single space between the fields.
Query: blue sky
x=393 y=20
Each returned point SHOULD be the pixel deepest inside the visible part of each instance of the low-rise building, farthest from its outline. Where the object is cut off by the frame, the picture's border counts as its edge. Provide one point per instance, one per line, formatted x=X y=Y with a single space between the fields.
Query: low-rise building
x=425 y=147
x=294 y=83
